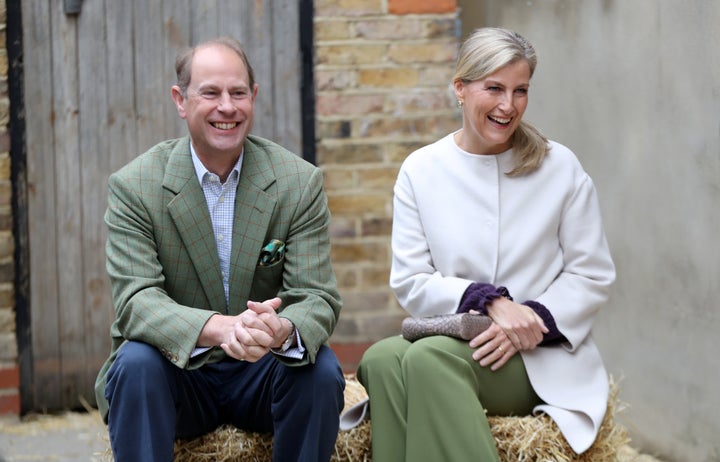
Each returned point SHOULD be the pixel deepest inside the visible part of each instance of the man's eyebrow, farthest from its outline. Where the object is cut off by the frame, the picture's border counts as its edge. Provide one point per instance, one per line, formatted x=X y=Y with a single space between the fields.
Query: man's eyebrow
x=213 y=86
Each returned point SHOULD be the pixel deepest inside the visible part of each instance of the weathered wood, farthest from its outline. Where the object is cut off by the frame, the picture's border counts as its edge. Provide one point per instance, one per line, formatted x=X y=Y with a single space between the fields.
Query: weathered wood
x=150 y=87
x=68 y=200
x=94 y=164
x=41 y=205
x=286 y=68
x=122 y=126
x=97 y=94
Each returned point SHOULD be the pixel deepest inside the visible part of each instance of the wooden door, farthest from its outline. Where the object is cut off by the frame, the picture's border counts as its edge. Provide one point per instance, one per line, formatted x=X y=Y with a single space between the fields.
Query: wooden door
x=97 y=93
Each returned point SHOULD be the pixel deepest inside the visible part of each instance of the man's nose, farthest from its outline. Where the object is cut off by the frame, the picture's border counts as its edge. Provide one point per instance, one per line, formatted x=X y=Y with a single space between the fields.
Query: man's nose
x=225 y=103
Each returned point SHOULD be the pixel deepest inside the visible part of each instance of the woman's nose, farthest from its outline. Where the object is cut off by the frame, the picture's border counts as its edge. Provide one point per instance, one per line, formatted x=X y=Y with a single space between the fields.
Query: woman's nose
x=506 y=100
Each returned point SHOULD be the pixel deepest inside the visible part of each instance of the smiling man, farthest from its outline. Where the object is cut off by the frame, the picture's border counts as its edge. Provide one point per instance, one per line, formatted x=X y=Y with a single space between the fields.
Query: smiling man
x=219 y=260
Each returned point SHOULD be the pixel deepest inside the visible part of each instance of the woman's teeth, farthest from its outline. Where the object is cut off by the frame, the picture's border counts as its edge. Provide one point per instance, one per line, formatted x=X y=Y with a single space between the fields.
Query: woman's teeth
x=500 y=120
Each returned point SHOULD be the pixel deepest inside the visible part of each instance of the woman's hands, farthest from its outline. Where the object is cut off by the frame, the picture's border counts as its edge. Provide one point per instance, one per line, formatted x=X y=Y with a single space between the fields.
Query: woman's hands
x=495 y=349
x=522 y=325
x=515 y=328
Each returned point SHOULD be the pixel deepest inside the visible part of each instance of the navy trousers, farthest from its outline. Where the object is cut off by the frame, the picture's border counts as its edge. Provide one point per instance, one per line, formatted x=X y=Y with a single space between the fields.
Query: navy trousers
x=152 y=402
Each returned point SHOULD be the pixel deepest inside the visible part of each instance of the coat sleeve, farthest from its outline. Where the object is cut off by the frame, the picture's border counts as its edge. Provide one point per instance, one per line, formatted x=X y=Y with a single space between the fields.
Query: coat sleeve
x=419 y=287
x=582 y=286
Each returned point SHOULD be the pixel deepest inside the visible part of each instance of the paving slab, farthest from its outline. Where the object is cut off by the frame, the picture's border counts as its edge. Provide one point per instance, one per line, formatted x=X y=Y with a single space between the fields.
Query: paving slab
x=73 y=436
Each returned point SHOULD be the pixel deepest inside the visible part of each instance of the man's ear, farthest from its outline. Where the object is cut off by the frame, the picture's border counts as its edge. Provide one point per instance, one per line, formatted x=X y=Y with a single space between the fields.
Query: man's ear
x=179 y=100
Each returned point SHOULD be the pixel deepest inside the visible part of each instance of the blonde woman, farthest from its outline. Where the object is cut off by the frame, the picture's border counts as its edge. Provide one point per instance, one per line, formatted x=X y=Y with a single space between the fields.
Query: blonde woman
x=493 y=218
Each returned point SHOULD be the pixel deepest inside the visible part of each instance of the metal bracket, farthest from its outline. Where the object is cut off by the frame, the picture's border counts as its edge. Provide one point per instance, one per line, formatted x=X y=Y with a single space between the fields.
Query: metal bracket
x=72 y=6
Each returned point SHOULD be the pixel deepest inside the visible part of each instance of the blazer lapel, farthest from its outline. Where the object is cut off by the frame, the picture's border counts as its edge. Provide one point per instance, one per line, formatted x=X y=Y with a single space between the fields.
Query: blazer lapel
x=189 y=212
x=253 y=210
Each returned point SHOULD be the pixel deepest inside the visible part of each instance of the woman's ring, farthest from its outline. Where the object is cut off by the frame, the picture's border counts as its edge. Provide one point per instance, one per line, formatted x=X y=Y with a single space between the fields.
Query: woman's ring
x=500 y=350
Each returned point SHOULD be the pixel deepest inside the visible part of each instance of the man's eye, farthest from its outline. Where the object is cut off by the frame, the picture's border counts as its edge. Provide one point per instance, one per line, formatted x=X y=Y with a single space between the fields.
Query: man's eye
x=239 y=94
x=209 y=94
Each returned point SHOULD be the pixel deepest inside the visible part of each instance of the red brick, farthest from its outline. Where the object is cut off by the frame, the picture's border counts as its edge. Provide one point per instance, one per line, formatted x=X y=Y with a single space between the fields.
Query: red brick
x=349 y=354
x=10 y=377
x=10 y=404
x=421 y=6
x=4 y=142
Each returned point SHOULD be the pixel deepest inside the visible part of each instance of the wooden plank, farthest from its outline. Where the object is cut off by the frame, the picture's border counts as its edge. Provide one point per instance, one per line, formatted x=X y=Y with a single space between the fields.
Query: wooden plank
x=286 y=105
x=204 y=21
x=251 y=23
x=37 y=41
x=94 y=168
x=176 y=37
x=149 y=71
x=68 y=255
x=122 y=128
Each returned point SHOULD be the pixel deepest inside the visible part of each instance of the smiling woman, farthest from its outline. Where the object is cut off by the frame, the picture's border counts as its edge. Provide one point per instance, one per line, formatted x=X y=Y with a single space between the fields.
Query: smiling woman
x=533 y=258
x=492 y=108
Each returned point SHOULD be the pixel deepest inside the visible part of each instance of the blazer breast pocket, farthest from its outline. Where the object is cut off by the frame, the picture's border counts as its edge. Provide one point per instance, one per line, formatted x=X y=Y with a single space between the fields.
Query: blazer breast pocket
x=268 y=278
x=272 y=253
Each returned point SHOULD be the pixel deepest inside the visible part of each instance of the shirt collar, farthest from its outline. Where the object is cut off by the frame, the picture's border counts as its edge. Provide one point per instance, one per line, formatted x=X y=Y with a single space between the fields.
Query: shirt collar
x=201 y=170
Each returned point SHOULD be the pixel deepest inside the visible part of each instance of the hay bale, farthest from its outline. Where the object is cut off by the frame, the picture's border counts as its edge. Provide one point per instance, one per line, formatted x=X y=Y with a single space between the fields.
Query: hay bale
x=526 y=439
x=538 y=438
x=229 y=444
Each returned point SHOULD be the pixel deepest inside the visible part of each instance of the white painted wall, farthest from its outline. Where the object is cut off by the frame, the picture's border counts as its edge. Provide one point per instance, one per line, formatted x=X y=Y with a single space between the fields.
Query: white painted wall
x=633 y=87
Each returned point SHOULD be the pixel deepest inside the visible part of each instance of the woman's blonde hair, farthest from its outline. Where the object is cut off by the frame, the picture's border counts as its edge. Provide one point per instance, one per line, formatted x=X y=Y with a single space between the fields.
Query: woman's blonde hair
x=485 y=51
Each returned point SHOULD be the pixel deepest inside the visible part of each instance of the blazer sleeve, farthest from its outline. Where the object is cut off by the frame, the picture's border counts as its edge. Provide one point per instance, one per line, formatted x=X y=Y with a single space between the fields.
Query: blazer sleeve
x=144 y=310
x=309 y=289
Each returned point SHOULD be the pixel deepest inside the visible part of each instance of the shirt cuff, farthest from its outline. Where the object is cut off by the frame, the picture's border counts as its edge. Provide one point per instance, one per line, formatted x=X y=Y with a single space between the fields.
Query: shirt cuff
x=198 y=350
x=296 y=352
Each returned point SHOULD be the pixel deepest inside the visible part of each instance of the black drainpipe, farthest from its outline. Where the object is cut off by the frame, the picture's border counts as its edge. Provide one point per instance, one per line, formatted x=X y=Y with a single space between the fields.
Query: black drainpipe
x=307 y=85
x=18 y=178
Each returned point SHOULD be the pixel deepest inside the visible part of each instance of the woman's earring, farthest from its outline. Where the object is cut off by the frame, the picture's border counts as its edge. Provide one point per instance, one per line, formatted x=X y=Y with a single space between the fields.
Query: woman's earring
x=460 y=104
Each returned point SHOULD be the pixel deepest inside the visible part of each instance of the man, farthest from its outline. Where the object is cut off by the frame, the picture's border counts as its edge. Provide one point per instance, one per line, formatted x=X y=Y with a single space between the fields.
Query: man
x=218 y=257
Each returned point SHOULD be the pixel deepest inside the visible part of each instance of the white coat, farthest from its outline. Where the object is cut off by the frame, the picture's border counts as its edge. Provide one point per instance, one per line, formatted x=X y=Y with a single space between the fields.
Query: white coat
x=459 y=219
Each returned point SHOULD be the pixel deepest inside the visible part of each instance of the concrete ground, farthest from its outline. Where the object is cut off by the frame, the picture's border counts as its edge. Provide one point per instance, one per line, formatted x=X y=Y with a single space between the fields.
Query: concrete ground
x=82 y=437
x=76 y=437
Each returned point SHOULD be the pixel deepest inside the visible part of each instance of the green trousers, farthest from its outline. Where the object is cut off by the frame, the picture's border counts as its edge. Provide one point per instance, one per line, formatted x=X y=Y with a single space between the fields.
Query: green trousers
x=428 y=400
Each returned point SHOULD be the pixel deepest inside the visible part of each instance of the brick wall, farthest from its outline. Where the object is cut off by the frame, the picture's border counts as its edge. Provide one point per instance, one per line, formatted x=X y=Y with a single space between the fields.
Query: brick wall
x=382 y=76
x=9 y=373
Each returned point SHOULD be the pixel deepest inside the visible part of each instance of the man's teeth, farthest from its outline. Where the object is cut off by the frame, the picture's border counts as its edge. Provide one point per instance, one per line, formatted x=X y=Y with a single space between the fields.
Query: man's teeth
x=224 y=126
x=501 y=120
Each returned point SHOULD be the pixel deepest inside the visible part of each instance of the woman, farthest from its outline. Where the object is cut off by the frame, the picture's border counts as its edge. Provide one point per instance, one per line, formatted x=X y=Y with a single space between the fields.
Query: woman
x=497 y=219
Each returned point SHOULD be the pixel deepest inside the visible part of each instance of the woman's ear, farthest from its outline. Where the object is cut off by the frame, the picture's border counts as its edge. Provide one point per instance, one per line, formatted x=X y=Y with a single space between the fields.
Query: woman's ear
x=459 y=87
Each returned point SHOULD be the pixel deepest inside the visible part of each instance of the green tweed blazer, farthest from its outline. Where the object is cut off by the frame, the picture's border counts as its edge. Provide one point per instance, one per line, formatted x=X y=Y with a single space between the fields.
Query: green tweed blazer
x=163 y=264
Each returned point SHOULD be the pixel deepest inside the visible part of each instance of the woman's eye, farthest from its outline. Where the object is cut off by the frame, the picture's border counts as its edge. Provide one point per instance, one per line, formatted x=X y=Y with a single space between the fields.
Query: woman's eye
x=522 y=91
x=493 y=88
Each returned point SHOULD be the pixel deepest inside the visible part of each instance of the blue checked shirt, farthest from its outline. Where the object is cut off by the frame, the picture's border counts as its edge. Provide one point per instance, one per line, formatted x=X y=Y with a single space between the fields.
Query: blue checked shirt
x=220 y=198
